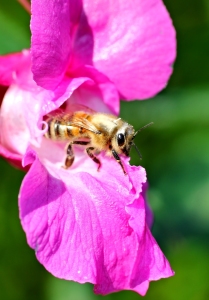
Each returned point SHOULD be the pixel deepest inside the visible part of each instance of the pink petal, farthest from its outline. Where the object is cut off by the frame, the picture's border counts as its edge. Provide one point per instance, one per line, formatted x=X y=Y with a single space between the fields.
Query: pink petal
x=149 y=213
x=13 y=158
x=14 y=132
x=100 y=93
x=89 y=226
x=50 y=26
x=23 y=108
x=134 y=44
x=11 y=66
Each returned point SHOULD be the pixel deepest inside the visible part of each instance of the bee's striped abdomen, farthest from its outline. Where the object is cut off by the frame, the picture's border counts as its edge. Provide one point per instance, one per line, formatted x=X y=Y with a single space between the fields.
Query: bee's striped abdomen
x=60 y=130
x=48 y=132
x=54 y=130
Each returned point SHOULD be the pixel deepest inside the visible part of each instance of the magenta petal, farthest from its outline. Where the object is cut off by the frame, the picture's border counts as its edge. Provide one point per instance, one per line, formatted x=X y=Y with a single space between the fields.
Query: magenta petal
x=134 y=44
x=14 y=158
x=11 y=65
x=50 y=26
x=148 y=211
x=91 y=228
x=23 y=107
x=14 y=133
x=99 y=89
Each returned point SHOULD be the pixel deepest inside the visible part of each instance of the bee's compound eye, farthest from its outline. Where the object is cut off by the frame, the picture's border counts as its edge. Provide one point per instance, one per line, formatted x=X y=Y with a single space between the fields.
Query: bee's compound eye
x=120 y=139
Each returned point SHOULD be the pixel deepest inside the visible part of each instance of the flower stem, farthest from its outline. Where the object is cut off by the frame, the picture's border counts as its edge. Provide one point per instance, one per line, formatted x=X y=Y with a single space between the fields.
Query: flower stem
x=26 y=5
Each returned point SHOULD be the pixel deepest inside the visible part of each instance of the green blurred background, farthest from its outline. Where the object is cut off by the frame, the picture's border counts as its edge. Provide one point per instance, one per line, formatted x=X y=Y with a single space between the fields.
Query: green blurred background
x=175 y=154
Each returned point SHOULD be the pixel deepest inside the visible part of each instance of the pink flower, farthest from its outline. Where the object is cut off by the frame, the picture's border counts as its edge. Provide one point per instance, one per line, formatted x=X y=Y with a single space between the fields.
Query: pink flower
x=85 y=225
x=133 y=44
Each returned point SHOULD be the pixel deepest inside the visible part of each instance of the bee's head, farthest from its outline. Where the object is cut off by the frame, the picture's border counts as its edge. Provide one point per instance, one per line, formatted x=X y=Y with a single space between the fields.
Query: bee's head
x=125 y=138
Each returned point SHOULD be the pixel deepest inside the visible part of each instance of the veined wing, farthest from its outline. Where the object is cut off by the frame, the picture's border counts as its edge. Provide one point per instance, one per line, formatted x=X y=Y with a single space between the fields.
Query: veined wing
x=68 y=117
x=70 y=110
x=84 y=123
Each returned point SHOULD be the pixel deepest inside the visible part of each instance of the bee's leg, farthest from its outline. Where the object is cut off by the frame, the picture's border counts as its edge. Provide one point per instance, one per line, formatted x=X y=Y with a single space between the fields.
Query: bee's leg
x=70 y=157
x=70 y=154
x=117 y=157
x=82 y=143
x=93 y=157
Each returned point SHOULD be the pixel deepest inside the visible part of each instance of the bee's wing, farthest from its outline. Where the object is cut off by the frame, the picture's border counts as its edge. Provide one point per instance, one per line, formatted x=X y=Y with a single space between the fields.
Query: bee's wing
x=58 y=113
x=61 y=114
x=84 y=123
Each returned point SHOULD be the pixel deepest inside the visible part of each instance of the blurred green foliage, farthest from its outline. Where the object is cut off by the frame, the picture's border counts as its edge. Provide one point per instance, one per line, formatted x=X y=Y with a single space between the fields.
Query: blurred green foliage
x=175 y=154
x=14 y=27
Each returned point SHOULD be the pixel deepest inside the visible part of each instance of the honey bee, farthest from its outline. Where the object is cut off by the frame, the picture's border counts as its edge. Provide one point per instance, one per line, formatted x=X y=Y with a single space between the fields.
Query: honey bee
x=96 y=131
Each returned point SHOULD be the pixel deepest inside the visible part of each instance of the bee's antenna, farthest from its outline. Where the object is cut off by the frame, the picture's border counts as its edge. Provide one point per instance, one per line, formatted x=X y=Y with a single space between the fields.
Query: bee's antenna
x=137 y=150
x=142 y=129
